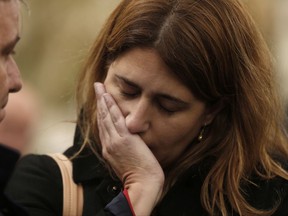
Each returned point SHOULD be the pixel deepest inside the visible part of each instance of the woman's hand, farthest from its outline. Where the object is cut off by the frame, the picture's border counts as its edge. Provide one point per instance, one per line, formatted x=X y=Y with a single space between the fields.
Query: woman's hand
x=129 y=156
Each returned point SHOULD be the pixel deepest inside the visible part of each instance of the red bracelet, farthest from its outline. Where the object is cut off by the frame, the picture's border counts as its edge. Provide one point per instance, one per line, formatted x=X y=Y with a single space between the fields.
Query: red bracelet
x=125 y=192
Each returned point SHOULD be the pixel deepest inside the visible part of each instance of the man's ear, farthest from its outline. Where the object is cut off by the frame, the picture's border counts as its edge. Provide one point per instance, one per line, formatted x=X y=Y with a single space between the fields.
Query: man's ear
x=213 y=110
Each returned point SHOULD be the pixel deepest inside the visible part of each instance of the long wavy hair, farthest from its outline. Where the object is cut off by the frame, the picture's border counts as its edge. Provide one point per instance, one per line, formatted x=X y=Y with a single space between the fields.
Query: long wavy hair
x=215 y=49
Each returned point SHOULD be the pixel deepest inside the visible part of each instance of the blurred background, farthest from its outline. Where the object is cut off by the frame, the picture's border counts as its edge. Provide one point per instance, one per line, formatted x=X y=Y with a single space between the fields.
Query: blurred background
x=55 y=39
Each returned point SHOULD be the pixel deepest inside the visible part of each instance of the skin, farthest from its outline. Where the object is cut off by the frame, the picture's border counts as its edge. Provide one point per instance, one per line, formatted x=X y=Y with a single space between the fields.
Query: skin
x=146 y=119
x=10 y=80
x=155 y=104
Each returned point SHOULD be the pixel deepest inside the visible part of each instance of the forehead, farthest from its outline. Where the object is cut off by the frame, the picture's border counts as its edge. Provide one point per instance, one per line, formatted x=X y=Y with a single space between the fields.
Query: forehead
x=9 y=17
x=145 y=67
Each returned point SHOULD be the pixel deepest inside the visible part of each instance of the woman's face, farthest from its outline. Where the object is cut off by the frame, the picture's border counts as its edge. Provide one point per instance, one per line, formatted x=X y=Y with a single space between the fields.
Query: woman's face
x=155 y=104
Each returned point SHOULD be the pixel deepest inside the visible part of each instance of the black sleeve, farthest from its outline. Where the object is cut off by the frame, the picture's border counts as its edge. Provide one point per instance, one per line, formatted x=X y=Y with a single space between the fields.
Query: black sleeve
x=119 y=206
x=36 y=184
x=8 y=159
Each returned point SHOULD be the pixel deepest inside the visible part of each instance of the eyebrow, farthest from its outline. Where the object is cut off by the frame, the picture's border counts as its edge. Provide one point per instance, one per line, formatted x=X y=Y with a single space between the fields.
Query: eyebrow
x=127 y=81
x=162 y=95
x=10 y=45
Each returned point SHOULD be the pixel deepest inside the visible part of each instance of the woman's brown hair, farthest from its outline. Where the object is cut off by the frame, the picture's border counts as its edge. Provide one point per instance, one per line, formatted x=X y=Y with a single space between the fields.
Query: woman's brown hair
x=214 y=48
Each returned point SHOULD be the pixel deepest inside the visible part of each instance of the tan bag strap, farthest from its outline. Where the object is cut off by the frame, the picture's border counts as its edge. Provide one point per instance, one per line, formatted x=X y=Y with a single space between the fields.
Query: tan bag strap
x=72 y=192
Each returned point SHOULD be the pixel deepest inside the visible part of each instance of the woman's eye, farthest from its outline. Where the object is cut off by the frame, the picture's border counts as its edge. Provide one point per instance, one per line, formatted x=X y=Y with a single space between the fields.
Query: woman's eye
x=129 y=94
x=170 y=106
x=168 y=109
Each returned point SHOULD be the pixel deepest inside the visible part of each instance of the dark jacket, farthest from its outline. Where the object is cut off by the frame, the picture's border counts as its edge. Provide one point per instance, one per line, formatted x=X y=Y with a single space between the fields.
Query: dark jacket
x=8 y=159
x=37 y=185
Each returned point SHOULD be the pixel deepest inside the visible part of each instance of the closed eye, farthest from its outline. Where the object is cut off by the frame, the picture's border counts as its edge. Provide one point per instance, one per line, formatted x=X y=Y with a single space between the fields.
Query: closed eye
x=165 y=110
x=164 y=102
x=171 y=104
x=127 y=88
x=129 y=94
x=170 y=107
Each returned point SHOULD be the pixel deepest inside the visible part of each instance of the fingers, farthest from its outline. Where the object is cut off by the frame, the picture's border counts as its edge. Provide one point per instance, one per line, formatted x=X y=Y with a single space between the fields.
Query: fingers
x=109 y=112
x=99 y=90
x=116 y=115
x=127 y=153
x=102 y=113
x=105 y=123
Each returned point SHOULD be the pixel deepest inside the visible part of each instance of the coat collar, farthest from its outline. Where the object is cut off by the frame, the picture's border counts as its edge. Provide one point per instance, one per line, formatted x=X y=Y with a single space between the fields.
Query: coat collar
x=86 y=166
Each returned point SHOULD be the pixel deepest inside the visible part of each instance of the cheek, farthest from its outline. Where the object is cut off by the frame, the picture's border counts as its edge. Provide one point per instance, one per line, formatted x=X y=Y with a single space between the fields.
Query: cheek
x=177 y=134
x=183 y=132
x=172 y=139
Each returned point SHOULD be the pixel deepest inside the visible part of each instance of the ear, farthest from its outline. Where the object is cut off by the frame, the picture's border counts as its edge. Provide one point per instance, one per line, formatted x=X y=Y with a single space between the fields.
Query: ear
x=212 y=111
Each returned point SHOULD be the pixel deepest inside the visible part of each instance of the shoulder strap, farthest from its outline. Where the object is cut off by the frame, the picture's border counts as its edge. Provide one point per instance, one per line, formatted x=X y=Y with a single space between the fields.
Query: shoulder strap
x=72 y=193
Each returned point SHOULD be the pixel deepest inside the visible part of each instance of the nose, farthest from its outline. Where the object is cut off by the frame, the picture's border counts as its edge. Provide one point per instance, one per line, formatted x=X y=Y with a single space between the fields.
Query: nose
x=138 y=117
x=15 y=82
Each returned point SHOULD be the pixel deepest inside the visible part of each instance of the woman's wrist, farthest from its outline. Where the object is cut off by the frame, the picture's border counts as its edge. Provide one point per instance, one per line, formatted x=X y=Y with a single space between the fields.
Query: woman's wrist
x=144 y=196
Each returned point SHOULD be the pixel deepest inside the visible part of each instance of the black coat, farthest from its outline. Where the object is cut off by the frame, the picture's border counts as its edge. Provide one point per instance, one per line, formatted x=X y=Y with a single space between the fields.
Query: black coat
x=8 y=159
x=37 y=185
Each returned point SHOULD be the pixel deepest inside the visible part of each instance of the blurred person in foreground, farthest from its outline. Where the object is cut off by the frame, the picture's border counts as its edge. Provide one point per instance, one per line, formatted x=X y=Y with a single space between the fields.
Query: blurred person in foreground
x=10 y=82
x=187 y=119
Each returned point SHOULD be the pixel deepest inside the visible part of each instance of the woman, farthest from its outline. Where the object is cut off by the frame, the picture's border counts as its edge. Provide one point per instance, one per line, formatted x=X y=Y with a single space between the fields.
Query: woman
x=187 y=121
